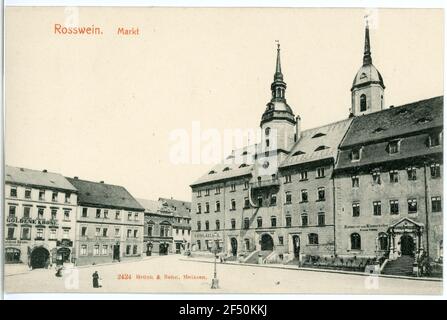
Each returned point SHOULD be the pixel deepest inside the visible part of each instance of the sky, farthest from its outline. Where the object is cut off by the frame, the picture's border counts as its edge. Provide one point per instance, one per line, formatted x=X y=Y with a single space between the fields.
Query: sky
x=103 y=107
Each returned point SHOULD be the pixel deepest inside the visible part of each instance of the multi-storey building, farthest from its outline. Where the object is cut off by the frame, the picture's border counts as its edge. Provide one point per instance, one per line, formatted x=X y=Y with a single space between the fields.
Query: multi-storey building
x=181 y=227
x=40 y=208
x=158 y=221
x=366 y=186
x=109 y=223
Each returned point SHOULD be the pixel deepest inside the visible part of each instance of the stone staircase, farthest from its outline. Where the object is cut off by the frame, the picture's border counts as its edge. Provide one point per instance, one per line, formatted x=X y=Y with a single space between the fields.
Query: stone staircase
x=254 y=257
x=402 y=266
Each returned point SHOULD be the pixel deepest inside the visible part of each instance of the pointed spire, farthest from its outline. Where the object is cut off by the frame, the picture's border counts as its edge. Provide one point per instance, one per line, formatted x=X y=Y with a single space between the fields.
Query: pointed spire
x=367 y=52
x=278 y=73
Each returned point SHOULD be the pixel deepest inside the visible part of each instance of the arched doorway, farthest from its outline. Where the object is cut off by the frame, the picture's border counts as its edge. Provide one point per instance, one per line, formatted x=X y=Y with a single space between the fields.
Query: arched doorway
x=266 y=242
x=40 y=258
x=406 y=245
x=296 y=246
x=233 y=246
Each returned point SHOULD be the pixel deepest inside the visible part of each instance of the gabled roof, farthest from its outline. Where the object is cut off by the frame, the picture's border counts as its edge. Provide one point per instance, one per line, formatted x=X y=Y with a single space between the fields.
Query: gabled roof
x=37 y=178
x=397 y=121
x=317 y=143
x=230 y=167
x=181 y=208
x=104 y=195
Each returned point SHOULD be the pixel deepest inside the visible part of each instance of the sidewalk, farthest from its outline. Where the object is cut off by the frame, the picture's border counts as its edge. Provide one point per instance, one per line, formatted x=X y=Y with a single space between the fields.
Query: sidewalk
x=17 y=269
x=294 y=267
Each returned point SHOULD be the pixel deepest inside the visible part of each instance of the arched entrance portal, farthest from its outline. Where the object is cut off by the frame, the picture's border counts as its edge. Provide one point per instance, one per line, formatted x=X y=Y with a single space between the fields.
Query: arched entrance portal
x=40 y=258
x=407 y=245
x=296 y=246
x=234 y=246
x=266 y=242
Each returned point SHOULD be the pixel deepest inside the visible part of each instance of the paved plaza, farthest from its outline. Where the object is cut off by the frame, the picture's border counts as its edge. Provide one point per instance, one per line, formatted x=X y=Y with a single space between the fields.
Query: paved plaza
x=178 y=274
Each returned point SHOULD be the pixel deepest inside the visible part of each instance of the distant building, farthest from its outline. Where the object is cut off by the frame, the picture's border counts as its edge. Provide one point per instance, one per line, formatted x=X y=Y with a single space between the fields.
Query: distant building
x=181 y=228
x=167 y=226
x=109 y=223
x=158 y=221
x=40 y=216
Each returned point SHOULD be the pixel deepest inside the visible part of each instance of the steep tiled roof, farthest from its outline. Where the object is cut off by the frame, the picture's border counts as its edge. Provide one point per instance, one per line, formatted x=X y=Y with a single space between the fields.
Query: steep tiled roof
x=105 y=195
x=181 y=208
x=317 y=143
x=398 y=121
x=239 y=163
x=37 y=178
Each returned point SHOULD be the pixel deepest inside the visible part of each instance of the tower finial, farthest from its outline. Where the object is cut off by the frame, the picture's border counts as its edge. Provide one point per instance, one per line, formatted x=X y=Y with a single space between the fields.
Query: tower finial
x=278 y=73
x=367 y=51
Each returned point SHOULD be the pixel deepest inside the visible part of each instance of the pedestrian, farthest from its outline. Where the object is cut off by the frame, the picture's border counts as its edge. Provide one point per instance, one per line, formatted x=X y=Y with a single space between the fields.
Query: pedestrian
x=95 y=276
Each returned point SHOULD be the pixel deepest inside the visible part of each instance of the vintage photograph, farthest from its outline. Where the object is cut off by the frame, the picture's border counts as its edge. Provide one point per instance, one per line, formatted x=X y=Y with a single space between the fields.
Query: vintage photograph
x=223 y=150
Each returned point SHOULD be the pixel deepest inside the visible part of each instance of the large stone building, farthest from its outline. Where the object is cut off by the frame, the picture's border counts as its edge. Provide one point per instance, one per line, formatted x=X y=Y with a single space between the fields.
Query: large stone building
x=367 y=186
x=40 y=216
x=109 y=223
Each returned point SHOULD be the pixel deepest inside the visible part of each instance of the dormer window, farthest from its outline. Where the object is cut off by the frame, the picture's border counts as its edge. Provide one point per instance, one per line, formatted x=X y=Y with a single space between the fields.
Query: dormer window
x=212 y=172
x=378 y=130
x=243 y=165
x=230 y=157
x=226 y=169
x=434 y=139
x=321 y=148
x=393 y=146
x=297 y=153
x=244 y=153
x=355 y=154
x=423 y=120
x=363 y=76
x=317 y=135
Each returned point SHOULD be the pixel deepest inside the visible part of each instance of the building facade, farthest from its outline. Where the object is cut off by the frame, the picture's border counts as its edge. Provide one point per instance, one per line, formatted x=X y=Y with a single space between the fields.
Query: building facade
x=109 y=223
x=167 y=226
x=40 y=214
x=181 y=227
x=366 y=186
x=158 y=221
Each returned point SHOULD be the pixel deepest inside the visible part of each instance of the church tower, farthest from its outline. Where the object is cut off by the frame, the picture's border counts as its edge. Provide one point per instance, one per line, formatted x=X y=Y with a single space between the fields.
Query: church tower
x=278 y=123
x=367 y=92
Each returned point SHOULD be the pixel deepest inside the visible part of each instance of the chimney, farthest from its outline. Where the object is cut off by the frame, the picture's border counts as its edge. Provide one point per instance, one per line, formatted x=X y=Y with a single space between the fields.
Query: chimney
x=101 y=181
x=298 y=128
x=21 y=169
x=76 y=178
x=392 y=106
x=44 y=170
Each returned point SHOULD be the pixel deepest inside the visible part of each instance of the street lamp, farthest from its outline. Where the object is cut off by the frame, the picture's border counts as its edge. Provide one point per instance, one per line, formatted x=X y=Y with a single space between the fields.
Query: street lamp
x=215 y=281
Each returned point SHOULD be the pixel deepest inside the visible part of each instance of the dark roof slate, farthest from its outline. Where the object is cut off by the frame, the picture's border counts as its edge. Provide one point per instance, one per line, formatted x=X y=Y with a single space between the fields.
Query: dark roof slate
x=393 y=122
x=104 y=195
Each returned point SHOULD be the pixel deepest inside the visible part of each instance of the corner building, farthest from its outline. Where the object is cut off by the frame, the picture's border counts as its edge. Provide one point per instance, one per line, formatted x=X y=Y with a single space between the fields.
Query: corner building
x=368 y=186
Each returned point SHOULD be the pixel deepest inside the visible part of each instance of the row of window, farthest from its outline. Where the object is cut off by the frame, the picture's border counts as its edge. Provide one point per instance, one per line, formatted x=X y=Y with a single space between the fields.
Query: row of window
x=164 y=230
x=26 y=214
x=320 y=173
x=321 y=196
x=435 y=172
x=26 y=233
x=393 y=146
x=104 y=232
x=41 y=195
x=259 y=222
x=107 y=250
x=104 y=213
x=436 y=206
